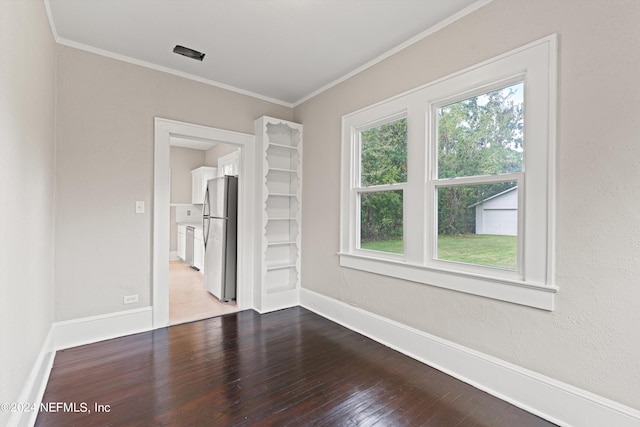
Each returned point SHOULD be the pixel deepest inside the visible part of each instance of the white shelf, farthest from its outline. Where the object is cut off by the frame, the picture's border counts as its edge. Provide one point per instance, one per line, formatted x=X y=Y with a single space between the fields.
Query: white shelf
x=281 y=195
x=279 y=169
x=287 y=147
x=292 y=171
x=280 y=267
x=285 y=243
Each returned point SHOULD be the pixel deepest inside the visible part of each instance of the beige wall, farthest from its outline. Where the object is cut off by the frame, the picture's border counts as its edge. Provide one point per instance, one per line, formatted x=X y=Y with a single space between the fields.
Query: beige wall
x=27 y=119
x=591 y=340
x=182 y=162
x=214 y=153
x=106 y=111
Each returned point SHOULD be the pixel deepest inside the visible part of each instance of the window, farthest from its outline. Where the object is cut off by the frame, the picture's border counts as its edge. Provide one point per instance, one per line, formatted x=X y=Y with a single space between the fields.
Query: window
x=478 y=167
x=452 y=184
x=380 y=190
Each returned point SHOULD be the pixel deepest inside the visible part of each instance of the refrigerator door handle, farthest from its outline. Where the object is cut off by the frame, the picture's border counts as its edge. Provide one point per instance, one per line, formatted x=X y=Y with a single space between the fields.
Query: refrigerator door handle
x=205 y=217
x=206 y=211
x=206 y=223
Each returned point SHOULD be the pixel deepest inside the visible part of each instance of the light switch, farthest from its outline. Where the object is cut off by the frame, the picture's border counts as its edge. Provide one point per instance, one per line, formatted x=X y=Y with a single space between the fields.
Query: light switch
x=139 y=207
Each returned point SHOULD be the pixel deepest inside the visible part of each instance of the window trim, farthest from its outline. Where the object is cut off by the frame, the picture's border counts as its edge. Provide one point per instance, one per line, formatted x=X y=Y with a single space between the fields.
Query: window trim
x=432 y=234
x=357 y=189
x=536 y=65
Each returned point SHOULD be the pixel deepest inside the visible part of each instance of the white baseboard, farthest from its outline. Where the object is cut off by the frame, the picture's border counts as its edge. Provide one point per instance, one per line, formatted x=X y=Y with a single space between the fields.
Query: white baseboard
x=550 y=399
x=35 y=385
x=553 y=400
x=72 y=333
x=278 y=301
x=173 y=256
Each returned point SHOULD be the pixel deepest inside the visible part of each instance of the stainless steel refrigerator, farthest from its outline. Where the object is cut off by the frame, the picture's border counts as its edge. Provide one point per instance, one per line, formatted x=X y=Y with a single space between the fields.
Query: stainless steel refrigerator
x=219 y=226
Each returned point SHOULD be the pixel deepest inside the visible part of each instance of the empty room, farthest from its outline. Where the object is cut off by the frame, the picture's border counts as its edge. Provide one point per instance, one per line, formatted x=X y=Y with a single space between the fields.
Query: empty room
x=320 y=212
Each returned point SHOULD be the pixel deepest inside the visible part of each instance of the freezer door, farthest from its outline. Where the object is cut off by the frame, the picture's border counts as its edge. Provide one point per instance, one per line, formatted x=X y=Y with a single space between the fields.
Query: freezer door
x=216 y=201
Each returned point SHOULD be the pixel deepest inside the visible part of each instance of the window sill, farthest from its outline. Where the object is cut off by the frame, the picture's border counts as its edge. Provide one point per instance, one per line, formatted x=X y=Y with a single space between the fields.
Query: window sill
x=517 y=292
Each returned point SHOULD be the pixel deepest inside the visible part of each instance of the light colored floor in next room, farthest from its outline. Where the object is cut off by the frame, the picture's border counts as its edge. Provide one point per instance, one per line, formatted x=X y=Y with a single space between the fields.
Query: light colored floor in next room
x=188 y=300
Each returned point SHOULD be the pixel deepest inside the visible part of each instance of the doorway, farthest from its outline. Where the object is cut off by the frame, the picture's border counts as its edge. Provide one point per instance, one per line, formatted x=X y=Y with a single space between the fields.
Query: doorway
x=203 y=137
x=193 y=164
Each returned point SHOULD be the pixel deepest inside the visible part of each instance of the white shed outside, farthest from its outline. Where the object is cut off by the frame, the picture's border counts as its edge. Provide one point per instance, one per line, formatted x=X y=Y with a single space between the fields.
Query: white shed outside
x=498 y=214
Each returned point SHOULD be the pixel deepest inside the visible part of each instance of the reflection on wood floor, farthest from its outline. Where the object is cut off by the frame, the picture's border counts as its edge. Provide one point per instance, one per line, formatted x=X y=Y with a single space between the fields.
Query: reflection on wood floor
x=286 y=368
x=188 y=300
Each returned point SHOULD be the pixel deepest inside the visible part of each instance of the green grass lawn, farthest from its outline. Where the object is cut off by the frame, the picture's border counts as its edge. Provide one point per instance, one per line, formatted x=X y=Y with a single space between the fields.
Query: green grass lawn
x=393 y=246
x=482 y=249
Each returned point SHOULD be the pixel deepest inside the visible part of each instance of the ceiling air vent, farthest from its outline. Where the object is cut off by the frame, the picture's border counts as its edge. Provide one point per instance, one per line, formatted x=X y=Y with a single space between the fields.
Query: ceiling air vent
x=189 y=53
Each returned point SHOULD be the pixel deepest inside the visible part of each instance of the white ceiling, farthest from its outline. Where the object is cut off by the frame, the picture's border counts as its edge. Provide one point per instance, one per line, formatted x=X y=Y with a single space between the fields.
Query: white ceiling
x=280 y=50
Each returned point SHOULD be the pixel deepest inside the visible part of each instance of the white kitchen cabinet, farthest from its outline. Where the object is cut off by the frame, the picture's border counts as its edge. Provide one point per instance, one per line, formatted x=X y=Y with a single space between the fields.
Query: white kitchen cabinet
x=199 y=178
x=182 y=241
x=279 y=170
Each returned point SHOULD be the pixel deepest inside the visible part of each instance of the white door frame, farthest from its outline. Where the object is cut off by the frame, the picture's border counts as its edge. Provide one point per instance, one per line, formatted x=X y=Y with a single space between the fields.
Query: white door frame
x=165 y=129
x=231 y=158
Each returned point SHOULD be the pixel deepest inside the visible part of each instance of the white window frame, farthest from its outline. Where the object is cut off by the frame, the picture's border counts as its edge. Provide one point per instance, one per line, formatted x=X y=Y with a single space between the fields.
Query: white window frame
x=532 y=284
x=358 y=189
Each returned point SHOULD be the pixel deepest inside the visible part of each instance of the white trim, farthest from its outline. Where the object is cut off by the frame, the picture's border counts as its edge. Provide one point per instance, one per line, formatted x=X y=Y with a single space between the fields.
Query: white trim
x=279 y=301
x=72 y=333
x=52 y=24
x=552 y=137
x=87 y=330
x=173 y=256
x=553 y=60
x=503 y=289
x=553 y=400
x=437 y=27
x=164 y=129
x=167 y=70
x=535 y=63
x=36 y=383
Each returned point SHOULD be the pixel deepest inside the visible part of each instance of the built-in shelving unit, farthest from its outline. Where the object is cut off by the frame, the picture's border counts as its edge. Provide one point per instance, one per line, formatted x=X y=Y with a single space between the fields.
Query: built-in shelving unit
x=280 y=171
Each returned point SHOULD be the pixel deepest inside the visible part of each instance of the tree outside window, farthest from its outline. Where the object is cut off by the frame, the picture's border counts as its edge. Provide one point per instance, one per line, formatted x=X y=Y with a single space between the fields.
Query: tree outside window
x=383 y=165
x=478 y=137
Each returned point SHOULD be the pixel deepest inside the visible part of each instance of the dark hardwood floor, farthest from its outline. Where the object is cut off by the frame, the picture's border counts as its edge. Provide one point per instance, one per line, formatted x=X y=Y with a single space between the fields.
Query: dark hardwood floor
x=290 y=367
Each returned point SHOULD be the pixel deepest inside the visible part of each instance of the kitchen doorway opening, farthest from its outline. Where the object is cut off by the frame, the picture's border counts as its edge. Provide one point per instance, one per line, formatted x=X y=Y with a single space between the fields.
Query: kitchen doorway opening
x=192 y=291
x=232 y=153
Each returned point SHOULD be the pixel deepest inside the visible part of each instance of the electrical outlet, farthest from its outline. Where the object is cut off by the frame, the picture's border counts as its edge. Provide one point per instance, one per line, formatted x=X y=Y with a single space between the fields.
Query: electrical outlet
x=130 y=299
x=140 y=207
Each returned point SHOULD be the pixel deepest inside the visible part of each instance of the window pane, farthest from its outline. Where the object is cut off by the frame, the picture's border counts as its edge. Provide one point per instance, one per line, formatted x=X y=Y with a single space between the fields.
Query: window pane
x=381 y=221
x=481 y=135
x=383 y=154
x=478 y=224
